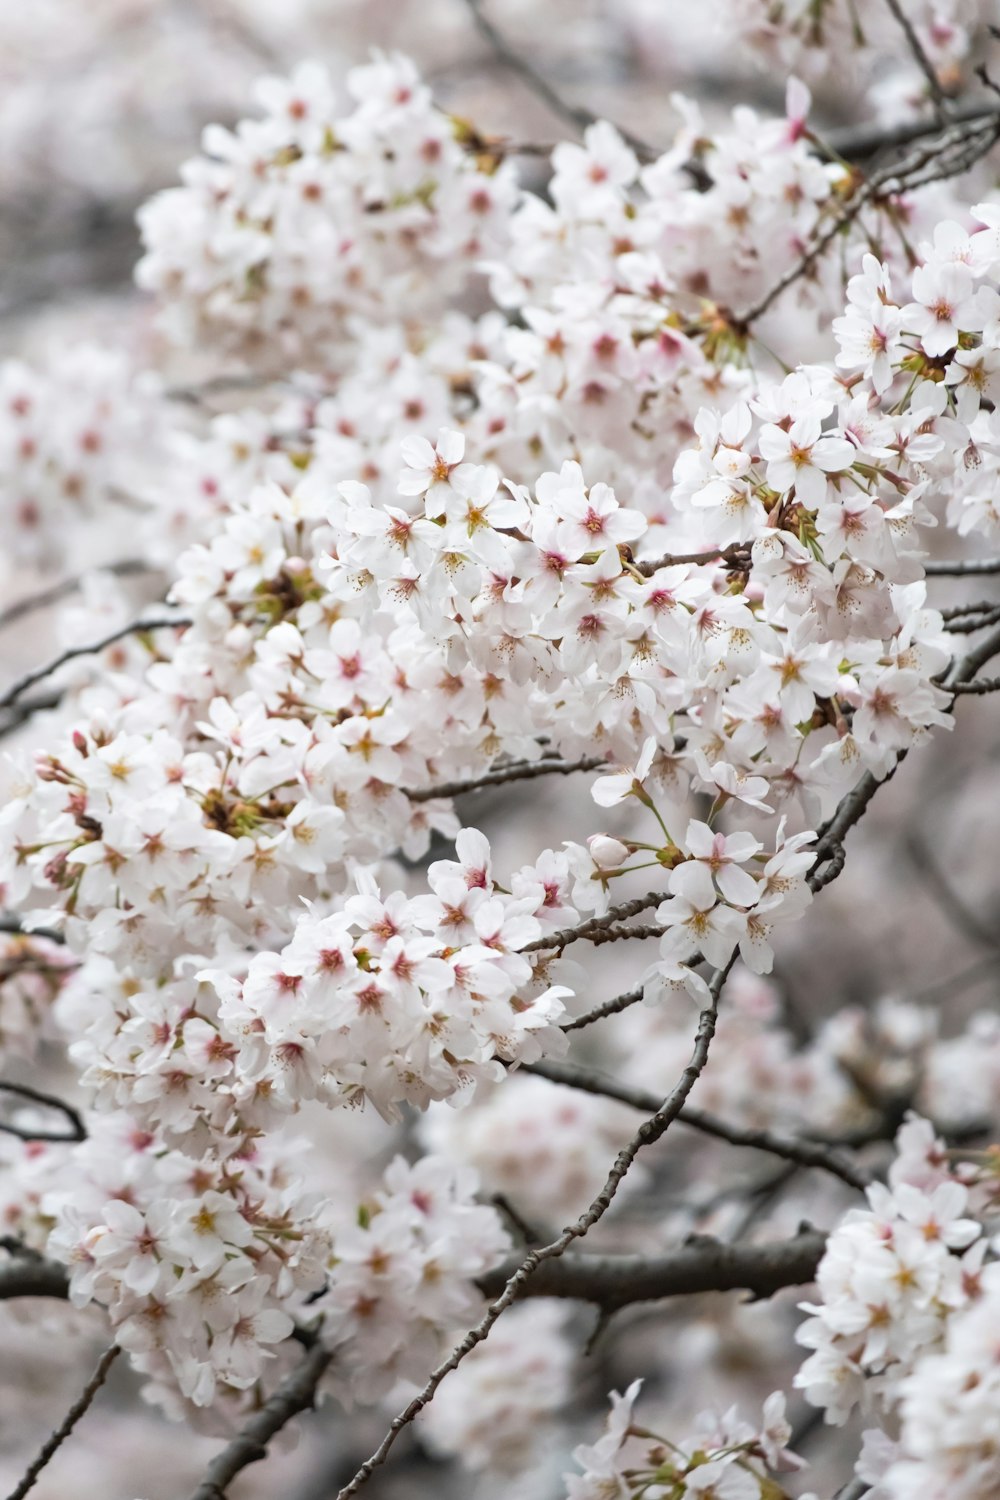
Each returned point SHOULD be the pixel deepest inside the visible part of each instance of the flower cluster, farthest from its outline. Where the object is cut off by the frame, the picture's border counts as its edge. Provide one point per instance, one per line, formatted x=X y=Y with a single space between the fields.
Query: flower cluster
x=597 y=530
x=298 y=222
x=392 y=1000
x=948 y=1441
x=723 y=1457
x=892 y=1276
x=401 y=1284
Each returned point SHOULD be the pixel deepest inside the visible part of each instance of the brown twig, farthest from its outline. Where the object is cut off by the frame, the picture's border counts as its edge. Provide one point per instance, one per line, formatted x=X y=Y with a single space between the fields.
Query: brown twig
x=738 y=555
x=608 y=1008
x=523 y=771
x=650 y=1131
x=920 y=57
x=804 y=1152
x=77 y=1130
x=127 y=568
x=138 y=627
x=598 y=929
x=297 y=1393
x=62 y=1432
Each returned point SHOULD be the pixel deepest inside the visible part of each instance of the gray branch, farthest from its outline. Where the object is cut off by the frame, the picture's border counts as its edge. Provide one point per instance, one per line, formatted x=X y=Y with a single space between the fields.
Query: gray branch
x=297 y=1393
x=703 y=1264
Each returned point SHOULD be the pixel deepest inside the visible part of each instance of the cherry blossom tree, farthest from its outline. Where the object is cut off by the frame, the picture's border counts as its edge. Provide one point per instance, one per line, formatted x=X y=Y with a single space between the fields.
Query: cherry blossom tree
x=459 y=613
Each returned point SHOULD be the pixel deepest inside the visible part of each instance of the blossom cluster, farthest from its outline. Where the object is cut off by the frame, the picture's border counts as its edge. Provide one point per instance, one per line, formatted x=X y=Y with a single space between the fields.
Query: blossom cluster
x=296 y=223
x=724 y=1456
x=204 y=1267
x=891 y=1277
x=596 y=530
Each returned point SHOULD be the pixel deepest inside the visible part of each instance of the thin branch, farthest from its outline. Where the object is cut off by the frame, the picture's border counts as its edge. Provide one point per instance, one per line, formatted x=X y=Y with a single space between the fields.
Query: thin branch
x=608 y=1008
x=952 y=152
x=650 y=1131
x=978 y=686
x=920 y=57
x=77 y=1131
x=856 y=143
x=598 y=929
x=960 y=611
x=830 y=852
x=702 y=1264
x=62 y=1432
x=523 y=771
x=137 y=627
x=789 y=1148
x=972 y=626
x=737 y=555
x=573 y=114
x=297 y=1393
x=965 y=670
x=127 y=568
x=979 y=929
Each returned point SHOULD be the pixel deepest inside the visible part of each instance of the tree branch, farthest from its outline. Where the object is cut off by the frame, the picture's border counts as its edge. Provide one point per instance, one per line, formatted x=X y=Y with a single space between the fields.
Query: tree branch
x=857 y=143
x=971 y=626
x=573 y=114
x=127 y=568
x=523 y=771
x=598 y=929
x=953 y=151
x=138 y=627
x=650 y=1131
x=609 y=1008
x=77 y=1130
x=702 y=1264
x=960 y=566
x=920 y=57
x=14 y=927
x=805 y=1153
x=297 y=1393
x=738 y=555
x=26 y=1275
x=966 y=669
x=62 y=1432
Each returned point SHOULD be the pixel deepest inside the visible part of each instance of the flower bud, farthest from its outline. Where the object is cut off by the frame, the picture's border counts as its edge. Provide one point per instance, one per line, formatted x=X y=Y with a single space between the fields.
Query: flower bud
x=606 y=852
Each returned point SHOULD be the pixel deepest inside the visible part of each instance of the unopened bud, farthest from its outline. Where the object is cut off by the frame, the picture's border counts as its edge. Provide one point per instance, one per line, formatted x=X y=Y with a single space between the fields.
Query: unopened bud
x=606 y=852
